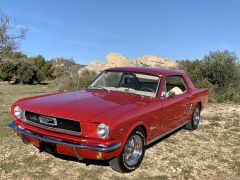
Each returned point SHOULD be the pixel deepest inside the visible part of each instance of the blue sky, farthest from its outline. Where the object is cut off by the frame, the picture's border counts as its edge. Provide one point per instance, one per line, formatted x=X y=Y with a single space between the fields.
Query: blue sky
x=88 y=30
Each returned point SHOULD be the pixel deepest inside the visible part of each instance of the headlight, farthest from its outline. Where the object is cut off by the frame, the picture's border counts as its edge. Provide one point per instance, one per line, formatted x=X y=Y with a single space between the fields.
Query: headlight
x=103 y=130
x=17 y=112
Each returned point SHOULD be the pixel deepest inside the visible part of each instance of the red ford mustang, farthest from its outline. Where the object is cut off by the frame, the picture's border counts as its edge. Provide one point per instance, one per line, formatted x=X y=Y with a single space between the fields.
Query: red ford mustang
x=122 y=111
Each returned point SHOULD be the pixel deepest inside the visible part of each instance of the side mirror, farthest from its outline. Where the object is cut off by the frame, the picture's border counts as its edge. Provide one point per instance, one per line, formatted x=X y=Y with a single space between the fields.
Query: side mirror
x=171 y=94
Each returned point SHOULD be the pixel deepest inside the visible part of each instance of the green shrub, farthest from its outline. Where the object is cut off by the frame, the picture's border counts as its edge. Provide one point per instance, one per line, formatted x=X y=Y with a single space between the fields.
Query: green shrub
x=48 y=70
x=20 y=71
x=220 y=68
x=18 y=55
x=44 y=66
x=70 y=83
x=194 y=71
x=28 y=74
x=219 y=71
x=7 y=70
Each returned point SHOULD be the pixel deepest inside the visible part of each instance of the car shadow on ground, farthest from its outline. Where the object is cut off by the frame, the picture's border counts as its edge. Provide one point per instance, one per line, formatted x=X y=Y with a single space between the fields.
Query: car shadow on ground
x=163 y=138
x=88 y=162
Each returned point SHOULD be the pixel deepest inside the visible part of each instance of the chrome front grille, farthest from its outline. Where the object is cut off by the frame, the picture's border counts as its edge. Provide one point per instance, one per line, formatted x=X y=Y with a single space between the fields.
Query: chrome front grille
x=55 y=123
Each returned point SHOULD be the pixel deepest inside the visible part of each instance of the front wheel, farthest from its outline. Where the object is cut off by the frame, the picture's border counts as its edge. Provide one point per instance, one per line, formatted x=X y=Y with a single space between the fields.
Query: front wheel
x=193 y=124
x=132 y=154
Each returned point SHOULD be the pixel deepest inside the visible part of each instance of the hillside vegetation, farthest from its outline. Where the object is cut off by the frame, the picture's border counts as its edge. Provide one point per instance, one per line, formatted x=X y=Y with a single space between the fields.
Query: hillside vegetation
x=218 y=70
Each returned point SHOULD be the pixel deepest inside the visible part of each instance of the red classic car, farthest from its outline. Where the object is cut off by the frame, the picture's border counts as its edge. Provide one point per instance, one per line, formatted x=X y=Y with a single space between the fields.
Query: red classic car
x=115 y=118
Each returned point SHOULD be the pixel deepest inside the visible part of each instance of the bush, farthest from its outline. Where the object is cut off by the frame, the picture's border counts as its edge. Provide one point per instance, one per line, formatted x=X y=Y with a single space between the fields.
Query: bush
x=70 y=83
x=27 y=73
x=219 y=71
x=194 y=71
x=220 y=68
x=44 y=66
x=21 y=71
x=18 y=55
x=7 y=70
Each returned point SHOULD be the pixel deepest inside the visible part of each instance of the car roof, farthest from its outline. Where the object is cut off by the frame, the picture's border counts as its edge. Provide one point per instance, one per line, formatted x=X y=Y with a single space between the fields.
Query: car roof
x=158 y=71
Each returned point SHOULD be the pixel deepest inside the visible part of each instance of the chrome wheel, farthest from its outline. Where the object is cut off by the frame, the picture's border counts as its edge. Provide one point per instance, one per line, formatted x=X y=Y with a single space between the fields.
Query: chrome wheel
x=132 y=153
x=196 y=116
x=133 y=150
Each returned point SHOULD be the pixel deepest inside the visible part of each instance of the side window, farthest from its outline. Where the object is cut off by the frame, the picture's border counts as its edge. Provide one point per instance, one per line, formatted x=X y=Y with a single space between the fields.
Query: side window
x=175 y=84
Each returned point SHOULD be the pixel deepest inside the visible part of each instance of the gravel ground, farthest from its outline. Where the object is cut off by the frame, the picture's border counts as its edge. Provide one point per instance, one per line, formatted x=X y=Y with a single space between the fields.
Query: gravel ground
x=210 y=152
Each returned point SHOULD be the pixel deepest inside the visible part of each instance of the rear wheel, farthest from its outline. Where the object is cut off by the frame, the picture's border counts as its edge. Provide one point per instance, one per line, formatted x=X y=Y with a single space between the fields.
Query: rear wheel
x=132 y=154
x=193 y=124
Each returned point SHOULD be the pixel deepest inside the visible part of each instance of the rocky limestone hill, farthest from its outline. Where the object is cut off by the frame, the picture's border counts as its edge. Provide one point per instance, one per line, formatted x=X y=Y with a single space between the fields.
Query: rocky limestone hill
x=118 y=60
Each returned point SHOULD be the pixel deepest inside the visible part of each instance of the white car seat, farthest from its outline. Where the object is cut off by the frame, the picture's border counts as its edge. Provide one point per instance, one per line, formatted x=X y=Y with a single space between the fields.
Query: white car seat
x=177 y=91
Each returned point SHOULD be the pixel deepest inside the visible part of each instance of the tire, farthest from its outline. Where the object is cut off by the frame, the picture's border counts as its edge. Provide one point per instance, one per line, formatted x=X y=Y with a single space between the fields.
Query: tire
x=132 y=153
x=193 y=124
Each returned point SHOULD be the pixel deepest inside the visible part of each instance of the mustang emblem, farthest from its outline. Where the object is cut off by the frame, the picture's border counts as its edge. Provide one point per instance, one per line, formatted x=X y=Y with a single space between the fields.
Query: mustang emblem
x=50 y=121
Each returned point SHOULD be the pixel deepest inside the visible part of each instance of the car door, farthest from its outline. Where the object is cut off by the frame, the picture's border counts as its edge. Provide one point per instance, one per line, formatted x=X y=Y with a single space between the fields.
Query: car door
x=175 y=107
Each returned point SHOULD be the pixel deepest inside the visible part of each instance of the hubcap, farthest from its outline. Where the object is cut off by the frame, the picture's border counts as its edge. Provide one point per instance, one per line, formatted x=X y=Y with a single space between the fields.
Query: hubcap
x=196 y=116
x=133 y=150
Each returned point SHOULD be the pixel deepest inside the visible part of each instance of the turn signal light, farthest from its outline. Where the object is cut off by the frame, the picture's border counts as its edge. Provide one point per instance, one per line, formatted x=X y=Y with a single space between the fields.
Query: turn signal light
x=99 y=155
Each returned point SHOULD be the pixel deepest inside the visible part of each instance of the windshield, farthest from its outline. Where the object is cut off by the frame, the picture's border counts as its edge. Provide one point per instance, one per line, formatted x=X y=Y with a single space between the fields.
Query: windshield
x=129 y=82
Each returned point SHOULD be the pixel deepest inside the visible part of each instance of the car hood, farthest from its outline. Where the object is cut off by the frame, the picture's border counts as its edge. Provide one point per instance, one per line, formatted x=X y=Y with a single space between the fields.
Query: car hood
x=79 y=105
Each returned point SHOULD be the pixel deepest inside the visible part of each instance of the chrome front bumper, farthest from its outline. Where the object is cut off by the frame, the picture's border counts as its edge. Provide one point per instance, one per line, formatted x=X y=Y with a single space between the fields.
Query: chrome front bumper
x=102 y=148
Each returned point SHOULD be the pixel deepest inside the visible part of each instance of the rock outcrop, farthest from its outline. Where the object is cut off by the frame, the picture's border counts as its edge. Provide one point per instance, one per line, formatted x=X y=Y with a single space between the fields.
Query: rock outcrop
x=154 y=61
x=118 y=60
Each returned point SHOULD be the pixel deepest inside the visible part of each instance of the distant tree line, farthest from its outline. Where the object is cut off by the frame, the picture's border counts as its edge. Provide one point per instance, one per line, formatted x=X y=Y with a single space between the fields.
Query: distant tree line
x=18 y=68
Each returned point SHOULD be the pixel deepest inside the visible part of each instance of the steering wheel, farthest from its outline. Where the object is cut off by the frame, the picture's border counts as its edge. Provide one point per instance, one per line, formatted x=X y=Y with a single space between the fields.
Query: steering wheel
x=146 y=89
x=127 y=83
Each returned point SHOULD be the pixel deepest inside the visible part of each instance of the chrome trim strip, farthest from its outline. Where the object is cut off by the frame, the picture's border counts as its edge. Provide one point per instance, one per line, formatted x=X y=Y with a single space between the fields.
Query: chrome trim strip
x=51 y=115
x=166 y=133
x=102 y=148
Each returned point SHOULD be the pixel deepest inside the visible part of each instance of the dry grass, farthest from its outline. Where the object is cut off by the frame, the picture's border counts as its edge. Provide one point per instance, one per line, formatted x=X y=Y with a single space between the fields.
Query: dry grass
x=210 y=152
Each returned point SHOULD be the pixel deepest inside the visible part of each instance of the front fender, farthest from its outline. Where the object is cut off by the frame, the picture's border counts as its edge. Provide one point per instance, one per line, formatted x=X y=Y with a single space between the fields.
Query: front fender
x=128 y=132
